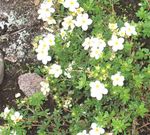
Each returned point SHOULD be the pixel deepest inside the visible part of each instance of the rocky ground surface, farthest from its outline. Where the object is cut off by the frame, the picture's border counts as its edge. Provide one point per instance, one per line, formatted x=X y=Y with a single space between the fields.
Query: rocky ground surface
x=18 y=27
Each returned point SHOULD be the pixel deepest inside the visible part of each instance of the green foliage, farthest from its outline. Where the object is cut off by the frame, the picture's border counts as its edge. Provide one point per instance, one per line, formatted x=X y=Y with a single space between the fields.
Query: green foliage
x=144 y=14
x=37 y=99
x=74 y=109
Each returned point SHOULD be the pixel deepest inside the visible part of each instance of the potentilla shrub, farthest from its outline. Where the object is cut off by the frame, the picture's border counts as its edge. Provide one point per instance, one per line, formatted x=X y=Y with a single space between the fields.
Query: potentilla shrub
x=95 y=69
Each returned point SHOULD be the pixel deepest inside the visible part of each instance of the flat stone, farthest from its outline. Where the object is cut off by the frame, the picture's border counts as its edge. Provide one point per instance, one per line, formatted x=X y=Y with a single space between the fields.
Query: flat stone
x=1 y=68
x=29 y=83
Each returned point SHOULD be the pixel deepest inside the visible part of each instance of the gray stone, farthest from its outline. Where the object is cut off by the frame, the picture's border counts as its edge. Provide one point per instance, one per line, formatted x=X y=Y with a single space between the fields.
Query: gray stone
x=29 y=83
x=1 y=68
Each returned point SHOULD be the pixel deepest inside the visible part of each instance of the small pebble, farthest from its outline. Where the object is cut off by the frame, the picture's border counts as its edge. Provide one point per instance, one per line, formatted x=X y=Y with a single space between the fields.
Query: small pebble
x=17 y=95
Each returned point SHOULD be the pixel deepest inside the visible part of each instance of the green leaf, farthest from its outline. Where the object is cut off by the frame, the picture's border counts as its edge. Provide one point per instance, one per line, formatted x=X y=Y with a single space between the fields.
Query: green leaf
x=36 y=99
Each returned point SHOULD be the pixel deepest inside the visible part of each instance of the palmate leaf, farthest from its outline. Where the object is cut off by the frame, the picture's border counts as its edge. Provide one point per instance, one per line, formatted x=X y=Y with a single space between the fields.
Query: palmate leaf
x=37 y=99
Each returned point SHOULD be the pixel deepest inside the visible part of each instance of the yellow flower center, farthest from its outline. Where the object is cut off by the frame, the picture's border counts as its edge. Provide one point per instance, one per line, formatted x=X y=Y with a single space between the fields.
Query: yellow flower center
x=44 y=45
x=116 y=43
x=129 y=30
x=96 y=129
x=83 y=21
x=97 y=86
x=69 y=22
x=72 y=3
x=117 y=79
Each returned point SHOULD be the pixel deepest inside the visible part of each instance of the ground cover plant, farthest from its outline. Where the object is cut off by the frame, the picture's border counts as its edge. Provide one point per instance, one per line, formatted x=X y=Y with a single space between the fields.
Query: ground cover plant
x=96 y=70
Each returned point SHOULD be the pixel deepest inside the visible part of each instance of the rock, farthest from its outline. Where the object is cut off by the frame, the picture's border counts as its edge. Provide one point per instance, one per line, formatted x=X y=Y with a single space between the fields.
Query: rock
x=1 y=68
x=29 y=83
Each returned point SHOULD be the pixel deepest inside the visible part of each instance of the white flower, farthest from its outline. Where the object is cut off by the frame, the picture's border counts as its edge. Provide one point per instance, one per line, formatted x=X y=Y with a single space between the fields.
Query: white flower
x=87 y=43
x=130 y=29
x=43 y=56
x=55 y=70
x=63 y=34
x=117 y=79
x=42 y=50
x=113 y=26
x=84 y=132
x=50 y=39
x=50 y=20
x=96 y=46
x=83 y=21
x=16 y=117
x=68 y=71
x=98 y=43
x=45 y=88
x=96 y=130
x=122 y=32
x=17 y=95
x=43 y=45
x=98 y=89
x=71 y=4
x=45 y=10
x=68 y=23
x=6 y=112
x=116 y=43
x=95 y=53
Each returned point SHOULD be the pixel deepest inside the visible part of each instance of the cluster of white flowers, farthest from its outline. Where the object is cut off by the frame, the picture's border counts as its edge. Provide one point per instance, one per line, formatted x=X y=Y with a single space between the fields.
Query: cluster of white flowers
x=55 y=70
x=45 y=88
x=69 y=22
x=67 y=103
x=98 y=89
x=82 y=21
x=45 y=12
x=117 y=79
x=43 y=48
x=95 y=130
x=68 y=70
x=126 y=31
x=16 y=117
x=95 y=45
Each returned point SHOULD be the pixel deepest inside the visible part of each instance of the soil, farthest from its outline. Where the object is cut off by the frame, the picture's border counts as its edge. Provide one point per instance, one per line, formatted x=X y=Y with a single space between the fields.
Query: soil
x=28 y=10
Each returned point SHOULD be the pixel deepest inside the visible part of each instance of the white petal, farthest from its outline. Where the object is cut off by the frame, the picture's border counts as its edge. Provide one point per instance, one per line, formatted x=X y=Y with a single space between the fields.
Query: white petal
x=84 y=27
